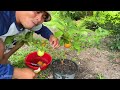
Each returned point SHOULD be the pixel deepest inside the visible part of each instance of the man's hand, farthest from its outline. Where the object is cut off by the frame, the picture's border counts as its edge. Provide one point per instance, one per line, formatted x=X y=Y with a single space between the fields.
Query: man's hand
x=54 y=41
x=23 y=73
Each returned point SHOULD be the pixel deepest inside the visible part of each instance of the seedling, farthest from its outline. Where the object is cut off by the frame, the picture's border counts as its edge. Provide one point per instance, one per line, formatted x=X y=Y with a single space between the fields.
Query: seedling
x=100 y=76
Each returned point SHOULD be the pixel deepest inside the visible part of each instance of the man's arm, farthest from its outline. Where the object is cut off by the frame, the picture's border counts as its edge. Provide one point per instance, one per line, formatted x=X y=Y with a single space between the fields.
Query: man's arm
x=6 y=71
x=2 y=49
x=45 y=32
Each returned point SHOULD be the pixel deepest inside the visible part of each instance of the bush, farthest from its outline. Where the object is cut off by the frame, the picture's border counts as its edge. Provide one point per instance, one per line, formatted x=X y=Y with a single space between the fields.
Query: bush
x=76 y=15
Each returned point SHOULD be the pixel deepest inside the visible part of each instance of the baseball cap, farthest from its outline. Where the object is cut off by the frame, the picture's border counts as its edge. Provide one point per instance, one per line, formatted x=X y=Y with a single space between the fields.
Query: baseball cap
x=48 y=16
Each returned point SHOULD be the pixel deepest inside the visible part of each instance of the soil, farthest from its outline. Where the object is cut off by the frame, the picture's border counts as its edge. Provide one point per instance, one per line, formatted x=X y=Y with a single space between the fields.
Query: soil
x=94 y=64
x=68 y=67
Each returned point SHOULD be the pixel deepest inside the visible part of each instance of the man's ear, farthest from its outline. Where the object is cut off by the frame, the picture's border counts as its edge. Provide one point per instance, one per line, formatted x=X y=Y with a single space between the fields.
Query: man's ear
x=48 y=17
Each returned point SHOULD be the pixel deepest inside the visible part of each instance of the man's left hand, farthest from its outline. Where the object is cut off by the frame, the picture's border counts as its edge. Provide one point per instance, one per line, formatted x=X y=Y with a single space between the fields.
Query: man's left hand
x=54 y=41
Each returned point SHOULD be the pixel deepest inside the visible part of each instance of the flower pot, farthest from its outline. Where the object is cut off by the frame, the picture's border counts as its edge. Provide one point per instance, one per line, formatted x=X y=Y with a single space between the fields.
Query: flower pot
x=67 y=70
x=32 y=59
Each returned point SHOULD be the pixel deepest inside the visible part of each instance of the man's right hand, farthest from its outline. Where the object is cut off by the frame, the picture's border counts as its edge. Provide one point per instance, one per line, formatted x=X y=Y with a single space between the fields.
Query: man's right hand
x=23 y=73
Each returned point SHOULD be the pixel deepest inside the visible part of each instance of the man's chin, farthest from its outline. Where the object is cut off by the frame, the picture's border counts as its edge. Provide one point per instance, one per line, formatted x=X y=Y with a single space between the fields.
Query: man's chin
x=28 y=27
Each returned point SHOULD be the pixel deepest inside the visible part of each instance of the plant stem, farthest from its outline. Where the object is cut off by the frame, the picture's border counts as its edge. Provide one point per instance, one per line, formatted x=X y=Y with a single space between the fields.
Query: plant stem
x=62 y=62
x=64 y=56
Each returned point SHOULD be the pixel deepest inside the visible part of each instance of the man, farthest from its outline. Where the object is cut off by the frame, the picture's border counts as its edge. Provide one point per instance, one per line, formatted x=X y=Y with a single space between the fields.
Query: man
x=13 y=23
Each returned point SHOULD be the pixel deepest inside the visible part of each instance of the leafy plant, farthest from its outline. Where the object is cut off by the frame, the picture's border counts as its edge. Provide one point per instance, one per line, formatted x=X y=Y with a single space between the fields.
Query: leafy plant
x=35 y=44
x=76 y=15
x=100 y=76
x=76 y=34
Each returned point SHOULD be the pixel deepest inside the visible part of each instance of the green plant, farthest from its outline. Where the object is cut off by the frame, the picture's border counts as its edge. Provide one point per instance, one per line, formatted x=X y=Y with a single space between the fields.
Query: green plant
x=102 y=24
x=115 y=42
x=76 y=15
x=26 y=37
x=68 y=31
x=31 y=43
x=100 y=76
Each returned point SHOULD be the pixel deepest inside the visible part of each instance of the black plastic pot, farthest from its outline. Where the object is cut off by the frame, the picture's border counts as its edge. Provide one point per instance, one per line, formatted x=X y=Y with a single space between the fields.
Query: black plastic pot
x=65 y=71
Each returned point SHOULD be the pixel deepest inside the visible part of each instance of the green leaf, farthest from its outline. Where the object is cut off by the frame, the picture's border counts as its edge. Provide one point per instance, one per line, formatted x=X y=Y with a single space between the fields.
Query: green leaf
x=84 y=33
x=58 y=33
x=61 y=42
x=118 y=47
x=59 y=22
x=76 y=46
x=9 y=39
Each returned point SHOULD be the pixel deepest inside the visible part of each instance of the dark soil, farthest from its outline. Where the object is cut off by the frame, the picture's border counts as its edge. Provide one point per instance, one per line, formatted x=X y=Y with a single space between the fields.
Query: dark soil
x=68 y=67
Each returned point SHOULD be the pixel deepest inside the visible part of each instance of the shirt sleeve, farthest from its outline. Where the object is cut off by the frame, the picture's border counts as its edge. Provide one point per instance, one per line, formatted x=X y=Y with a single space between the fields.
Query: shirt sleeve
x=45 y=32
x=3 y=29
x=6 y=71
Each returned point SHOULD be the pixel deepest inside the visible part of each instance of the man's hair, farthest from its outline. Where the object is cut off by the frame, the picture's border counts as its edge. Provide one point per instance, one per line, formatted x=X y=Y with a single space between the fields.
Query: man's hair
x=48 y=17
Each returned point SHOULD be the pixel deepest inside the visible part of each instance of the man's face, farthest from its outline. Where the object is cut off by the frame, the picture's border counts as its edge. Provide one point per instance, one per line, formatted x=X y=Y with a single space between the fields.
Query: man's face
x=29 y=19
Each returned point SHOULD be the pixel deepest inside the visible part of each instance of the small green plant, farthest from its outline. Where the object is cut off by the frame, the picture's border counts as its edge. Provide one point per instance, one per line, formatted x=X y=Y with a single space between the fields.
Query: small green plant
x=100 y=76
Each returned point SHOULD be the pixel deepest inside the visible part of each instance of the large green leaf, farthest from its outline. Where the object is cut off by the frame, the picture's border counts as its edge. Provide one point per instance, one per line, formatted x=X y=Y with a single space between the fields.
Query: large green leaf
x=76 y=45
x=61 y=42
x=9 y=39
x=58 y=33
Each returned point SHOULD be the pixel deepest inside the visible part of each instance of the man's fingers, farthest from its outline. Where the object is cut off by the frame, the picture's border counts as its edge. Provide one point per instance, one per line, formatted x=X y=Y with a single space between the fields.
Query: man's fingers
x=55 y=44
x=36 y=75
x=57 y=47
